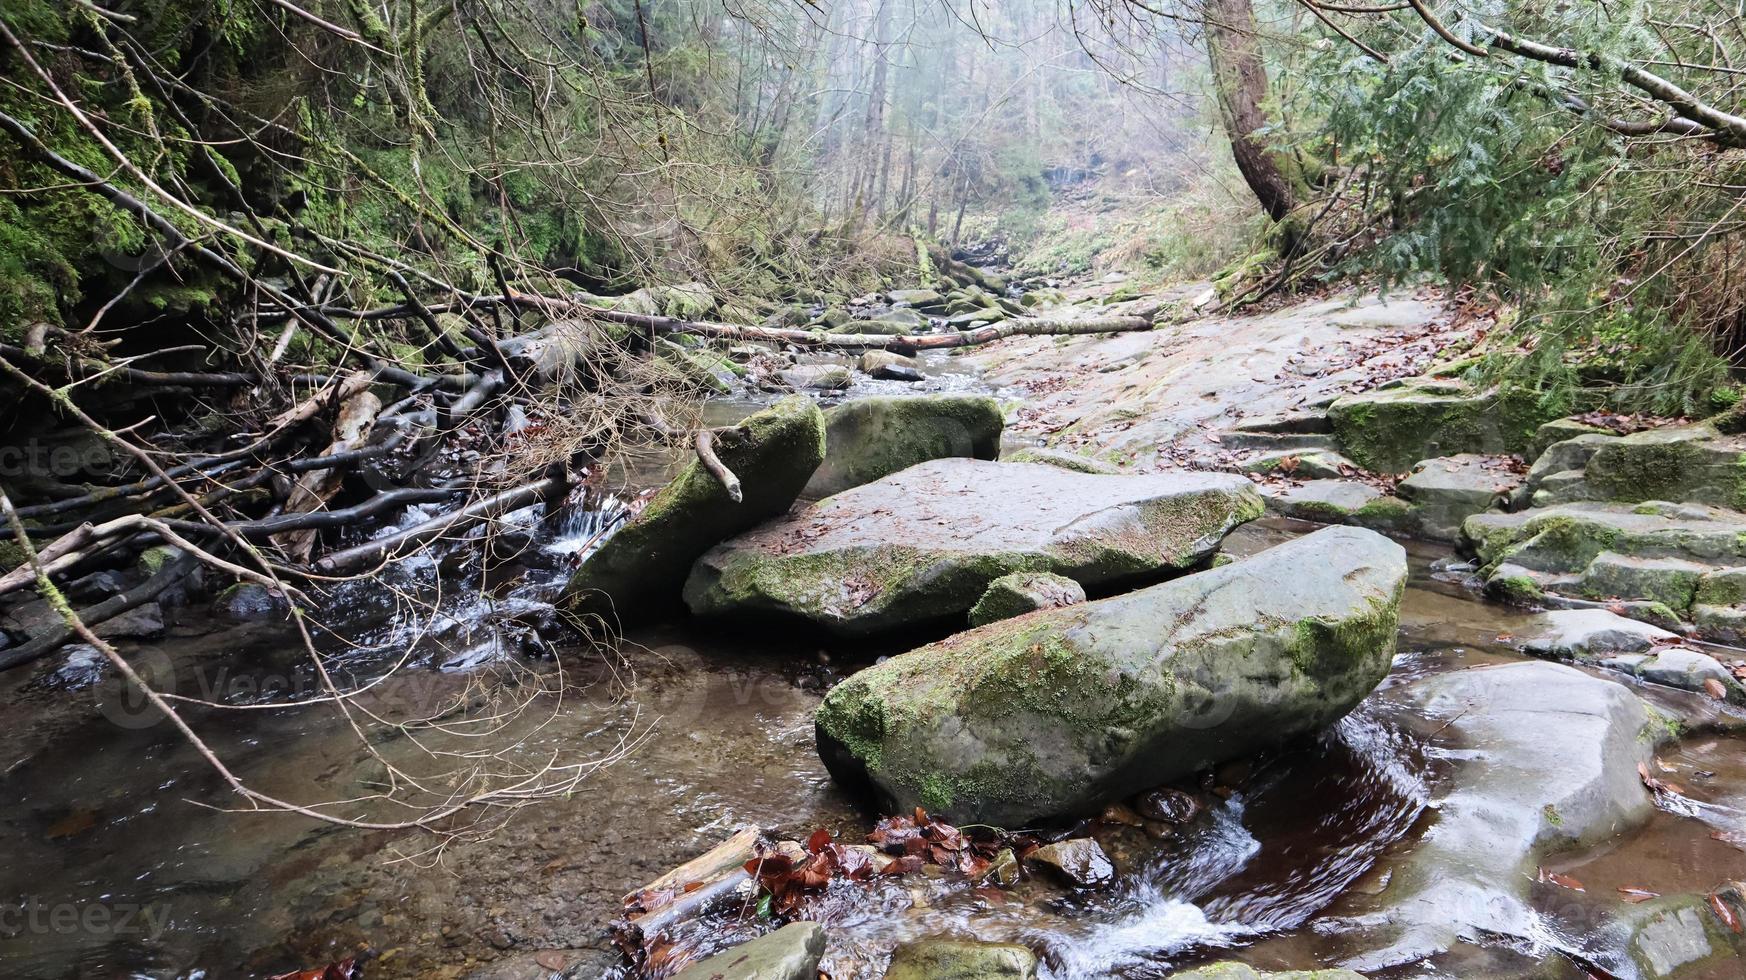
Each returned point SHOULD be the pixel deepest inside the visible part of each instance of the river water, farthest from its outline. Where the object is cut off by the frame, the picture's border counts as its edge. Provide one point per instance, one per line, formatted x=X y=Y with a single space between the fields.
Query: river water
x=118 y=865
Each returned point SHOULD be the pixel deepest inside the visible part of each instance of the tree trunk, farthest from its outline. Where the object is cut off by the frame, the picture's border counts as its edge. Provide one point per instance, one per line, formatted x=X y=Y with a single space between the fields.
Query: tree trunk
x=1240 y=80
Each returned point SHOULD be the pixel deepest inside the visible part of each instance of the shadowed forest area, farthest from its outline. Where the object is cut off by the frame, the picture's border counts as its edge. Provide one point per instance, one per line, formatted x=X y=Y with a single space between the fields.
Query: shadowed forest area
x=795 y=489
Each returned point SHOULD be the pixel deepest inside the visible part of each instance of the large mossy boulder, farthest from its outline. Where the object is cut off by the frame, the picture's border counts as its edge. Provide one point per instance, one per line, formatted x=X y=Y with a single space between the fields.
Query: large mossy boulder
x=871 y=438
x=1389 y=429
x=773 y=452
x=1057 y=713
x=922 y=545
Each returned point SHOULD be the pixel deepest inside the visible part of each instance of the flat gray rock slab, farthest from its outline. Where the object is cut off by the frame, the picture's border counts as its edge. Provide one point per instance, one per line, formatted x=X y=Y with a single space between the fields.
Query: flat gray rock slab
x=924 y=544
x=1568 y=634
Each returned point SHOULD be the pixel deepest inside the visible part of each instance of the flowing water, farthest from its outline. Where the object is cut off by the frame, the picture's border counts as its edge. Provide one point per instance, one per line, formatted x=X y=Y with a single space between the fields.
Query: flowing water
x=116 y=866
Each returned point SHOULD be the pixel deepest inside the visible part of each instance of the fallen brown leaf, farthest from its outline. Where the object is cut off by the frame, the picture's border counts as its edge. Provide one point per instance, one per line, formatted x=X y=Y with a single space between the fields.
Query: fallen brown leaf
x=1561 y=880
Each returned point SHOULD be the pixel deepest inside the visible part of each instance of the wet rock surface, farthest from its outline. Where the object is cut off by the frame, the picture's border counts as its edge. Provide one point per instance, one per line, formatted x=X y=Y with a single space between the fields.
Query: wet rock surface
x=956 y=959
x=1062 y=711
x=1531 y=782
x=790 y=953
x=924 y=544
x=1079 y=862
x=1682 y=936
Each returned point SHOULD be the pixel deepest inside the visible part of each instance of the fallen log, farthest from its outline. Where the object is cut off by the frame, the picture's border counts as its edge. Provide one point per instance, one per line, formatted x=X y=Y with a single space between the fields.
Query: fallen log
x=900 y=343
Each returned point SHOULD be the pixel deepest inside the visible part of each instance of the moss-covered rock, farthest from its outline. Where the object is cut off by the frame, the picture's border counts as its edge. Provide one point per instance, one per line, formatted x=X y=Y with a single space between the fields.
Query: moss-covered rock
x=1389 y=429
x=1685 y=464
x=1562 y=430
x=1313 y=464
x=1656 y=561
x=819 y=377
x=1024 y=592
x=923 y=544
x=871 y=438
x=773 y=452
x=1057 y=713
x=960 y=959
x=1444 y=492
x=1344 y=502
x=1059 y=457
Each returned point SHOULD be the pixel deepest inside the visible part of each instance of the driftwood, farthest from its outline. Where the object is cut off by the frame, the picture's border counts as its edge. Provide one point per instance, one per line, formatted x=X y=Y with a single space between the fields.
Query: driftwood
x=705 y=446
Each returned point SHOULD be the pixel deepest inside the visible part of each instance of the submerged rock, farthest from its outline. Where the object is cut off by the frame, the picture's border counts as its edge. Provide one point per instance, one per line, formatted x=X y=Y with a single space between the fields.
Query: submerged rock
x=923 y=544
x=773 y=452
x=1534 y=782
x=960 y=959
x=871 y=438
x=1390 y=428
x=1024 y=592
x=790 y=953
x=1062 y=711
x=1681 y=935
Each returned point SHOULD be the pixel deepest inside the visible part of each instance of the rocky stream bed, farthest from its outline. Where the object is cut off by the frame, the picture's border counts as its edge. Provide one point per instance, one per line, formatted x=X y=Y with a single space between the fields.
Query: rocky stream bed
x=1498 y=738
